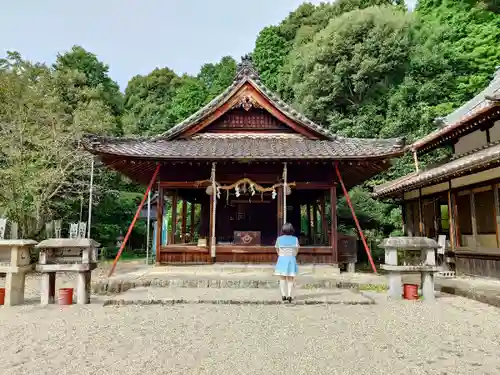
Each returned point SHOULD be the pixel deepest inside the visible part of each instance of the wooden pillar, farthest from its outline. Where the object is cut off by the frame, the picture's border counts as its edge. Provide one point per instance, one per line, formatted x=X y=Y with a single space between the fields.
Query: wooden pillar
x=308 y=215
x=451 y=220
x=421 y=226
x=458 y=240
x=159 y=223
x=279 y=216
x=315 y=222
x=497 y=212
x=213 y=214
x=403 y=219
x=324 y=222
x=473 y=219
x=174 y=217
x=333 y=226
x=184 y=221
x=437 y=215
x=191 y=221
x=210 y=223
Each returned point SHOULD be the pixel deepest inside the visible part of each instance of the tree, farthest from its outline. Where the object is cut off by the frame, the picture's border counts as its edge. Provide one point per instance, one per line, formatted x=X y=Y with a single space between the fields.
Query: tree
x=269 y=55
x=96 y=75
x=190 y=96
x=148 y=101
x=40 y=163
x=217 y=77
x=469 y=29
x=343 y=76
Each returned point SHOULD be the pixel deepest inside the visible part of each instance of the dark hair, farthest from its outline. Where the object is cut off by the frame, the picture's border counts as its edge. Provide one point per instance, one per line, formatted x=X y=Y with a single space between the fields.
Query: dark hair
x=287 y=229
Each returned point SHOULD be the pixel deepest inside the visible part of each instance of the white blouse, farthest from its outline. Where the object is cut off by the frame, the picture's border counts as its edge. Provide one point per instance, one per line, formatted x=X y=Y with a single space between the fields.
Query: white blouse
x=287 y=246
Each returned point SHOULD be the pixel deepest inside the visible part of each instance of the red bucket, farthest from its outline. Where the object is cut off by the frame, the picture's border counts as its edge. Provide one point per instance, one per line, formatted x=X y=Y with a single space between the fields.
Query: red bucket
x=410 y=291
x=65 y=296
x=2 y=296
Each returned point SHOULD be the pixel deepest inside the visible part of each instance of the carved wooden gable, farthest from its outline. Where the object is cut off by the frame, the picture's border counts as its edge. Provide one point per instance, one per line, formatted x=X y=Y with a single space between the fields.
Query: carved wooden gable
x=247 y=120
x=248 y=110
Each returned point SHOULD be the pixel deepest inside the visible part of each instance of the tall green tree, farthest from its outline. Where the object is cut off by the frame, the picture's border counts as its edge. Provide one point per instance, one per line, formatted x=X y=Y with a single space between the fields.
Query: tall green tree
x=92 y=75
x=217 y=77
x=343 y=76
x=148 y=102
x=40 y=163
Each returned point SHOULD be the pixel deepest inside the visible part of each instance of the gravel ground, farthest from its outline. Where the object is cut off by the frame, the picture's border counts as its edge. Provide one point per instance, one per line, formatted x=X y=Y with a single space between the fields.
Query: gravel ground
x=453 y=336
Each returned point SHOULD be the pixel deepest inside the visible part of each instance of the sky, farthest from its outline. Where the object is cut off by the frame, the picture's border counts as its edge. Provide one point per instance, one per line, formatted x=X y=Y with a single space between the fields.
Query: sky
x=135 y=36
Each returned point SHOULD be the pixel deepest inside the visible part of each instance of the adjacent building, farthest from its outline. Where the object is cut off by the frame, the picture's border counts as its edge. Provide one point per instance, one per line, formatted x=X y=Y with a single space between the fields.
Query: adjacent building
x=459 y=197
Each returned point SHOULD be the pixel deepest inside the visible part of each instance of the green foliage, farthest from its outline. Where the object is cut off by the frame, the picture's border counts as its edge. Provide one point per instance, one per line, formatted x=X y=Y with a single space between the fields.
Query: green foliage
x=148 y=102
x=40 y=167
x=217 y=77
x=350 y=65
x=91 y=80
x=156 y=102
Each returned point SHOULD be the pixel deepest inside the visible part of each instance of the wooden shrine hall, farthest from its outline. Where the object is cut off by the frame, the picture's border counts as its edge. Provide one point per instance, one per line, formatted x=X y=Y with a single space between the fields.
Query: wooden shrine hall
x=238 y=168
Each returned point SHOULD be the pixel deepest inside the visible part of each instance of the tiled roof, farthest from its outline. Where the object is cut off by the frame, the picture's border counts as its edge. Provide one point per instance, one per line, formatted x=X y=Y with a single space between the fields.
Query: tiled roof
x=244 y=147
x=476 y=159
x=246 y=73
x=478 y=105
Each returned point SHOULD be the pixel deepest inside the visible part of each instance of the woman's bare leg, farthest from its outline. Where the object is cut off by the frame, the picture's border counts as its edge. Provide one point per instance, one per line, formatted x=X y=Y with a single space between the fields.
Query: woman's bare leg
x=290 y=280
x=283 y=286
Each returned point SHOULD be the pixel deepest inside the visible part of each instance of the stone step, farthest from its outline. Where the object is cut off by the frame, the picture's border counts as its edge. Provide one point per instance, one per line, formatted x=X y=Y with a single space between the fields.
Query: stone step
x=235 y=268
x=170 y=296
x=120 y=285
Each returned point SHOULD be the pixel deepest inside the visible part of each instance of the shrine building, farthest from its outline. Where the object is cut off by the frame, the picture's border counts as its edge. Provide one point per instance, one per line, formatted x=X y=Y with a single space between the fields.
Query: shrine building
x=238 y=168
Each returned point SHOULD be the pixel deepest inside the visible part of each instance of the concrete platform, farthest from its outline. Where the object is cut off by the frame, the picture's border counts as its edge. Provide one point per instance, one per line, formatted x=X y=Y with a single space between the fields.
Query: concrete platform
x=169 y=296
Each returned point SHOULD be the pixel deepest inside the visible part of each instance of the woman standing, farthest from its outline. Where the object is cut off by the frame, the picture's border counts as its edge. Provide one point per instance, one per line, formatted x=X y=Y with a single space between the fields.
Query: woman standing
x=287 y=247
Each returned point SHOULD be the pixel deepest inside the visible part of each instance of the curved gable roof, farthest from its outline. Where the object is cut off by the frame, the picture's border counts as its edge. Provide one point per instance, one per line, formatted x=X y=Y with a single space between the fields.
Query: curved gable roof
x=246 y=75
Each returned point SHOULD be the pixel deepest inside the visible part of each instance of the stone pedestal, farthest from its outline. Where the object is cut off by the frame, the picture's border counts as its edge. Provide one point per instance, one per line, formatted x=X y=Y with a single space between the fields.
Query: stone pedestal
x=48 y=288
x=425 y=264
x=67 y=255
x=351 y=267
x=427 y=281
x=395 y=285
x=15 y=262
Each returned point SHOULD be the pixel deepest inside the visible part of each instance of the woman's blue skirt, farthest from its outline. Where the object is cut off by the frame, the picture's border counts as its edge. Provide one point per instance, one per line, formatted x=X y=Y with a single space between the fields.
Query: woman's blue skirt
x=286 y=266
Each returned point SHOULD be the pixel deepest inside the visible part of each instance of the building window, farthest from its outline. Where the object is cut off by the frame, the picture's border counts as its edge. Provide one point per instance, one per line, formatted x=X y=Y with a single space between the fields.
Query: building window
x=444 y=218
x=464 y=213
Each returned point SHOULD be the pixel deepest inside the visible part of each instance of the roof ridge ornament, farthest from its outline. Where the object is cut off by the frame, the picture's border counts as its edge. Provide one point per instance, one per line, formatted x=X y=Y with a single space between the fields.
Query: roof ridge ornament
x=246 y=69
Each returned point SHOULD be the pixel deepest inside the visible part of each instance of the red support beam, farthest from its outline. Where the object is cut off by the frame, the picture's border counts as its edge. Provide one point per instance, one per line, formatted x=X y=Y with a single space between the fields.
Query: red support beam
x=155 y=174
x=348 y=199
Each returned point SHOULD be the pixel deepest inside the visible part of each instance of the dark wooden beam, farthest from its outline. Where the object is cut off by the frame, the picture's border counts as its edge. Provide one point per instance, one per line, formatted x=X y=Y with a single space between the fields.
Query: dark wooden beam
x=184 y=221
x=451 y=220
x=174 y=218
x=324 y=222
x=279 y=197
x=333 y=225
x=308 y=215
x=315 y=221
x=159 y=223
x=191 y=221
